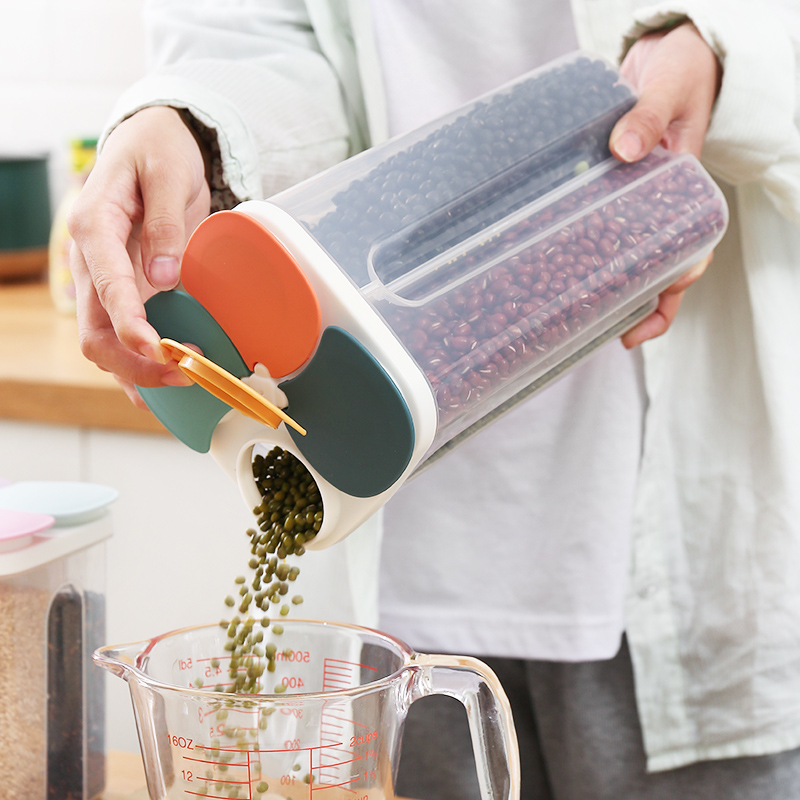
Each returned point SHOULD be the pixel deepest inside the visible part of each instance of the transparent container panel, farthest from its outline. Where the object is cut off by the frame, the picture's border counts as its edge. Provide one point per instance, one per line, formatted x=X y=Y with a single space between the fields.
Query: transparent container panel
x=433 y=188
x=503 y=243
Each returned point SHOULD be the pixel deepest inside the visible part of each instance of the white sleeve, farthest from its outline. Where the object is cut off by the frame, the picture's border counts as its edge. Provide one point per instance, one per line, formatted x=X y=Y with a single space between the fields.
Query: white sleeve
x=754 y=136
x=253 y=73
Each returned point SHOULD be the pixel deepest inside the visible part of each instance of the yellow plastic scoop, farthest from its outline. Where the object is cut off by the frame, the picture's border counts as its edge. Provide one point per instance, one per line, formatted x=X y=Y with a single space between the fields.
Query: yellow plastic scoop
x=227 y=387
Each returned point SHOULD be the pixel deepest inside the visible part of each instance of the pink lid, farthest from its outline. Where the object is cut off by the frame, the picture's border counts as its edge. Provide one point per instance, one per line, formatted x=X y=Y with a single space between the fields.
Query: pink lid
x=17 y=528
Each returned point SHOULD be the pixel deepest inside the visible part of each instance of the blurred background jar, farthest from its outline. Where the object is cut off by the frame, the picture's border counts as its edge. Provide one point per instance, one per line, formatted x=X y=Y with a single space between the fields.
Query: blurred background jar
x=24 y=215
x=62 y=289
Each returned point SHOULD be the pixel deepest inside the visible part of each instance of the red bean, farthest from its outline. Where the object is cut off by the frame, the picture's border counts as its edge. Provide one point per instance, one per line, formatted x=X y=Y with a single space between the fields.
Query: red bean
x=478 y=335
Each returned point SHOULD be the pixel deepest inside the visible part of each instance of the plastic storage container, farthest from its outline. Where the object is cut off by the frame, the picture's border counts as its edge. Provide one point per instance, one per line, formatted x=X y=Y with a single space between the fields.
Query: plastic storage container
x=397 y=303
x=52 y=617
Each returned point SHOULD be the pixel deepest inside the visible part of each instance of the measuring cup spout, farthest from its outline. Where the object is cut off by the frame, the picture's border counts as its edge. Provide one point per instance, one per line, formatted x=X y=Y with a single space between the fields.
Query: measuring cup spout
x=120 y=660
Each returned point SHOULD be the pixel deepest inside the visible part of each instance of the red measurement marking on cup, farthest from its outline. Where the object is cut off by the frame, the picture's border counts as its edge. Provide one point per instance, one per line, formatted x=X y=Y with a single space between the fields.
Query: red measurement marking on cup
x=240 y=772
x=342 y=785
x=217 y=760
x=338 y=674
x=211 y=671
x=205 y=781
x=337 y=725
x=336 y=751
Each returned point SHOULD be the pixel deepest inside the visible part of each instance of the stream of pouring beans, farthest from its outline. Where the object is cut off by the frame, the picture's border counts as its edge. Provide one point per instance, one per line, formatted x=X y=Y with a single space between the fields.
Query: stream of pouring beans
x=289 y=515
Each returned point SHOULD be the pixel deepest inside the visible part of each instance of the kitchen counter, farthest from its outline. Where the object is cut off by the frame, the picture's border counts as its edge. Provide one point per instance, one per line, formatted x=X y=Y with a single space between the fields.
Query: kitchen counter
x=125 y=777
x=45 y=378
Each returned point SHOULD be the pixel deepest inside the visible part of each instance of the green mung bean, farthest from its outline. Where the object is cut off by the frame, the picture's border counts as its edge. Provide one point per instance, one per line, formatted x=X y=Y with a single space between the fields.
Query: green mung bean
x=289 y=516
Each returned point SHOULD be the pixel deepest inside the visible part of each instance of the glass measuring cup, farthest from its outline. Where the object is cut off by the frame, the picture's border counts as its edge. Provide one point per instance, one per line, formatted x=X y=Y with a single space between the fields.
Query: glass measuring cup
x=329 y=727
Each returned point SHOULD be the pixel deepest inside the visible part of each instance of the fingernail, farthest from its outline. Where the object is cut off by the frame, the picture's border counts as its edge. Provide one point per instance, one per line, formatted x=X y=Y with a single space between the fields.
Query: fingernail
x=155 y=352
x=629 y=146
x=696 y=271
x=176 y=378
x=164 y=272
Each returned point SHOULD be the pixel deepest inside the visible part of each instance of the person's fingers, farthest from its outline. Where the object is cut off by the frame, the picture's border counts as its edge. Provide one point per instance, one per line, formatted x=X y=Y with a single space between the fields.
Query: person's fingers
x=669 y=302
x=100 y=343
x=690 y=276
x=133 y=394
x=678 y=77
x=131 y=391
x=659 y=117
x=656 y=323
x=104 y=276
x=172 y=181
x=129 y=227
x=644 y=126
x=139 y=194
x=163 y=234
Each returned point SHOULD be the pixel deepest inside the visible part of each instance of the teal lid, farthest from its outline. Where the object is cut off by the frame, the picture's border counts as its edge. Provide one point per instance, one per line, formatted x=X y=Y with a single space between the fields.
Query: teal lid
x=360 y=433
x=190 y=413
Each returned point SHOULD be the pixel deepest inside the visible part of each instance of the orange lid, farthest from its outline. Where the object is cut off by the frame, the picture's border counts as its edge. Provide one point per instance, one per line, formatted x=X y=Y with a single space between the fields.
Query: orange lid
x=254 y=289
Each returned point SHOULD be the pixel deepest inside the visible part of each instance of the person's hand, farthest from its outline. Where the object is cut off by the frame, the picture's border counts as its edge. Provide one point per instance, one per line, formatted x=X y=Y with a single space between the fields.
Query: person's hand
x=130 y=224
x=678 y=78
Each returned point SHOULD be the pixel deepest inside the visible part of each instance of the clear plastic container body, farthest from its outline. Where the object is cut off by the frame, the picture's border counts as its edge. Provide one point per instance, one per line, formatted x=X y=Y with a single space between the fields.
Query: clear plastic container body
x=52 y=617
x=332 y=730
x=400 y=301
x=503 y=243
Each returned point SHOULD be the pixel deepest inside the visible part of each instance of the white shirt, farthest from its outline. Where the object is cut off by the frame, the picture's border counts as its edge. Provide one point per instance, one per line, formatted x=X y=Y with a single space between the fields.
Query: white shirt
x=439 y=55
x=517 y=544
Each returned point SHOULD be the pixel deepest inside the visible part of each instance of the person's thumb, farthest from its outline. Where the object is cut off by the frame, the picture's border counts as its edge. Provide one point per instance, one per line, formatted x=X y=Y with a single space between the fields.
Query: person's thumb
x=643 y=127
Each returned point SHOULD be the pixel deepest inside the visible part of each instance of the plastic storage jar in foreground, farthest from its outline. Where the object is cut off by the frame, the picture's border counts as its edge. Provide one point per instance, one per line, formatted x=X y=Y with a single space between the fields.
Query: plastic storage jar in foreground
x=52 y=617
x=402 y=300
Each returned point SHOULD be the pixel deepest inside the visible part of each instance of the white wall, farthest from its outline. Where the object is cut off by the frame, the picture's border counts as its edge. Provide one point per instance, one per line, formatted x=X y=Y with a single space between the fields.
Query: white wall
x=62 y=64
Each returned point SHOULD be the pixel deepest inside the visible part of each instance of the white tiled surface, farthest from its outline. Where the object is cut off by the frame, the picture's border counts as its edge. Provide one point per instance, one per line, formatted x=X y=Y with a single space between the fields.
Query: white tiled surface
x=62 y=65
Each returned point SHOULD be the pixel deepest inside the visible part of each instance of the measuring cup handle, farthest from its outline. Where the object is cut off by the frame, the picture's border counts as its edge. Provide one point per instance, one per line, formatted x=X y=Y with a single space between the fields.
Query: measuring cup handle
x=494 y=738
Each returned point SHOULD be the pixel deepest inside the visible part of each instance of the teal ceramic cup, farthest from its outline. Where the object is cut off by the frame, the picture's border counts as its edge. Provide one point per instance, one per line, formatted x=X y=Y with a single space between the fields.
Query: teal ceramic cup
x=25 y=216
